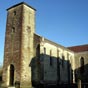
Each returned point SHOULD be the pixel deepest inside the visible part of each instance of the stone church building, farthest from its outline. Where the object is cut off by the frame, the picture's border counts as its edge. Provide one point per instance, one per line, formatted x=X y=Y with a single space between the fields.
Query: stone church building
x=32 y=60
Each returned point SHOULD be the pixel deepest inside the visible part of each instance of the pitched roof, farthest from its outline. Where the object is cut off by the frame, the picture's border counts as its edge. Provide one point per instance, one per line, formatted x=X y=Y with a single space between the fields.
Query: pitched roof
x=79 y=48
x=20 y=4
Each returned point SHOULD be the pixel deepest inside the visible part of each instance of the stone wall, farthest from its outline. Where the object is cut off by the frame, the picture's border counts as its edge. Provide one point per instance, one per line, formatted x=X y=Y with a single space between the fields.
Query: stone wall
x=12 y=44
x=18 y=51
x=36 y=60
x=81 y=75
x=50 y=72
x=27 y=38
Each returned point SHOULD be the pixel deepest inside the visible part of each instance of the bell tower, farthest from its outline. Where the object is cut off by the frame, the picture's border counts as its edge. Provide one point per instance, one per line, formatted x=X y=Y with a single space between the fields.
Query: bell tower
x=18 y=51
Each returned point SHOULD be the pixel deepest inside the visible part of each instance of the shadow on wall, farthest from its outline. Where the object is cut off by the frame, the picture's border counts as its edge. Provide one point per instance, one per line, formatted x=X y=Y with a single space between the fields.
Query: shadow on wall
x=0 y=77
x=0 y=74
x=81 y=75
x=51 y=71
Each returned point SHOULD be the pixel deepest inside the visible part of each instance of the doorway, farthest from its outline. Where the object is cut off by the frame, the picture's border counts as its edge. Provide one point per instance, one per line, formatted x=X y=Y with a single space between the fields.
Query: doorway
x=11 y=75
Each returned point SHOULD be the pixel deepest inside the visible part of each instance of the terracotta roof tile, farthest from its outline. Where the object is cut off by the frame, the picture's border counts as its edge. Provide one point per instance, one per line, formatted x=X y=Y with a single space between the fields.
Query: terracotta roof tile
x=79 y=48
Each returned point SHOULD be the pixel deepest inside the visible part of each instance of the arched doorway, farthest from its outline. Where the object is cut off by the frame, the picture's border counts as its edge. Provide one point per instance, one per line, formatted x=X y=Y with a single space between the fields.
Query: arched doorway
x=11 y=75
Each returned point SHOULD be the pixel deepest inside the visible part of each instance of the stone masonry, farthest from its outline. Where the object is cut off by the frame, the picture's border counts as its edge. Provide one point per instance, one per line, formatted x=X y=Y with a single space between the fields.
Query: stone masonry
x=32 y=60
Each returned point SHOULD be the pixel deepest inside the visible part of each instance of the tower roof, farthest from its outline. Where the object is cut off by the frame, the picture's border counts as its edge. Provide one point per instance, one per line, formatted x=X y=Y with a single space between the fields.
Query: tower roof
x=20 y=4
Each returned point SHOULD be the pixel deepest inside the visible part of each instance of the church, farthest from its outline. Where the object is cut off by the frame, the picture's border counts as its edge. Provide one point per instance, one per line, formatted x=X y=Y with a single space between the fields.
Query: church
x=32 y=60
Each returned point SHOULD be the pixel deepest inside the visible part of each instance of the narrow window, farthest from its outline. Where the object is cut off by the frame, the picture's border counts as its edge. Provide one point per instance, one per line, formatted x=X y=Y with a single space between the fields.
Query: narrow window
x=57 y=54
x=82 y=65
x=67 y=56
x=14 y=13
x=63 y=58
x=38 y=51
x=44 y=50
x=13 y=29
x=51 y=59
x=28 y=29
x=58 y=67
x=58 y=63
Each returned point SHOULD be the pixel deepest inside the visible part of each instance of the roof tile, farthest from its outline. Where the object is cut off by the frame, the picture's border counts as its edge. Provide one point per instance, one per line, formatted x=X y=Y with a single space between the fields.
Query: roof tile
x=80 y=48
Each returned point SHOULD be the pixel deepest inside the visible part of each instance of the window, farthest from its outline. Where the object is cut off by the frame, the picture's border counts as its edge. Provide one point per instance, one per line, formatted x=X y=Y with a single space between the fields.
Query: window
x=58 y=57
x=28 y=29
x=67 y=56
x=63 y=58
x=44 y=50
x=13 y=29
x=14 y=13
x=58 y=66
x=57 y=54
x=38 y=51
x=51 y=59
x=82 y=65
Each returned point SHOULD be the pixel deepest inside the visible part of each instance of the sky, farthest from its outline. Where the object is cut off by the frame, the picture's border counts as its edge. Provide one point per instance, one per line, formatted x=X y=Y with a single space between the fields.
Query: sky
x=62 y=21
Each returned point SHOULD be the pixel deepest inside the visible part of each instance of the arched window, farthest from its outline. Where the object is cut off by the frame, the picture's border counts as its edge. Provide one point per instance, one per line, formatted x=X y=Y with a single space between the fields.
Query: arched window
x=13 y=30
x=81 y=64
x=38 y=51
x=58 y=66
x=63 y=58
x=44 y=50
x=14 y=13
x=57 y=54
x=51 y=59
